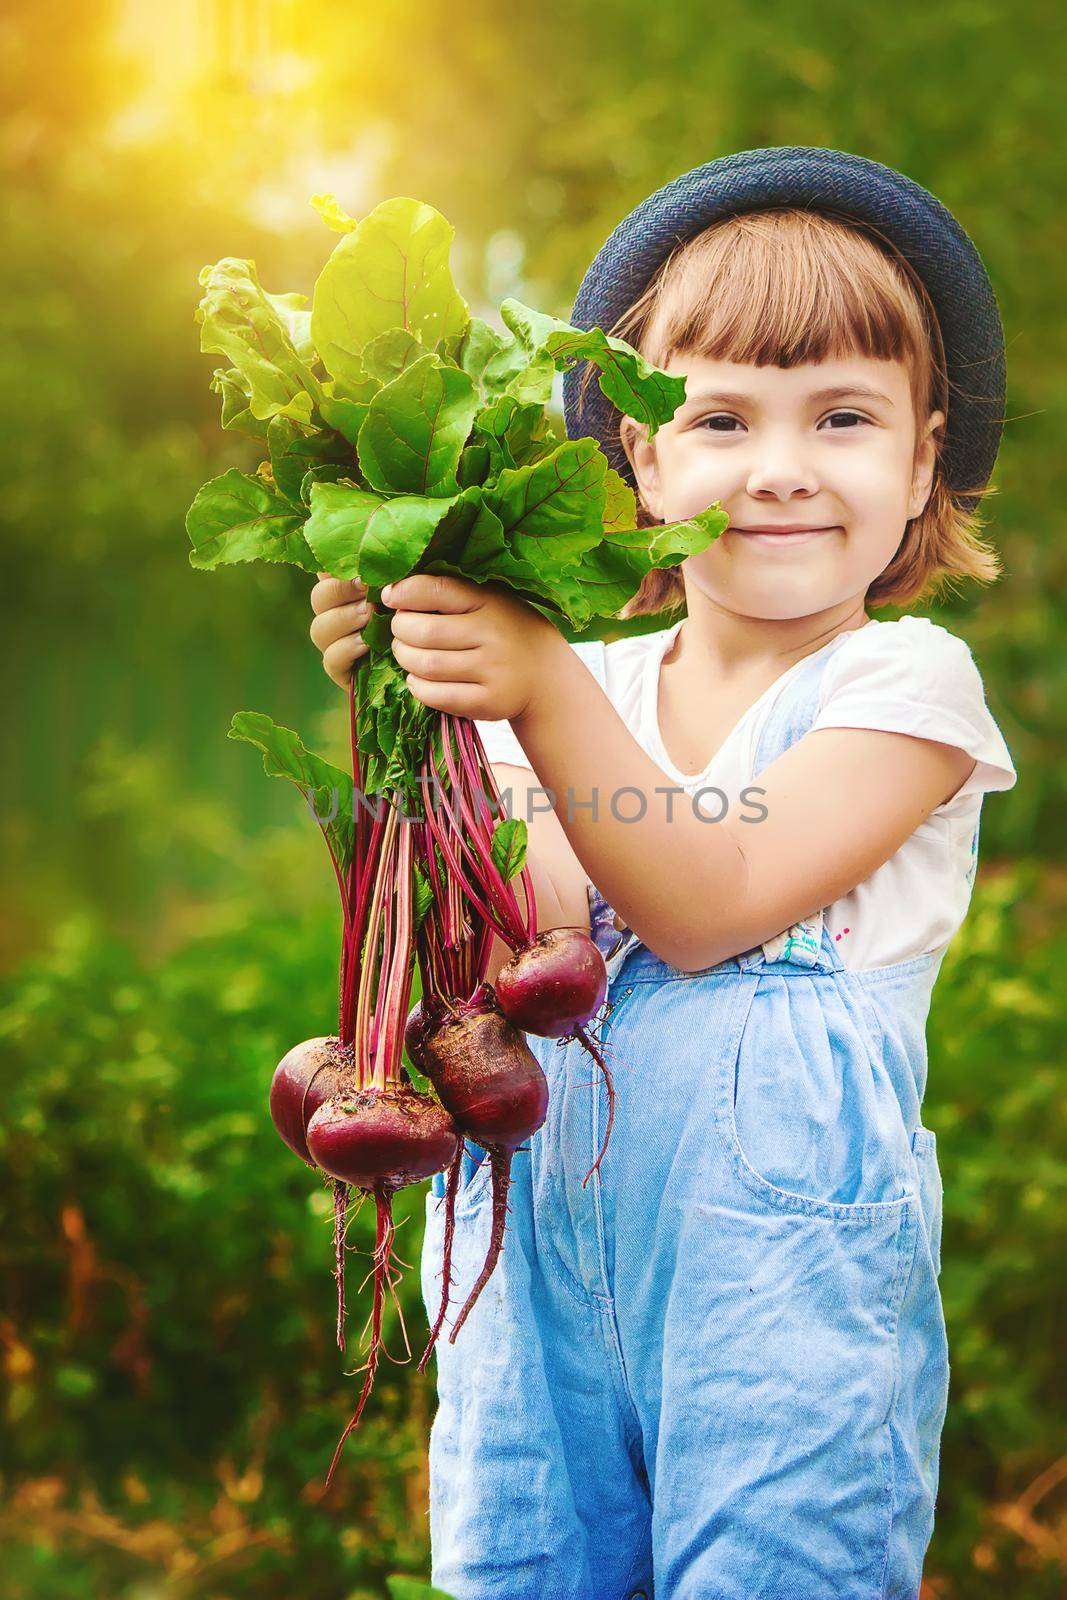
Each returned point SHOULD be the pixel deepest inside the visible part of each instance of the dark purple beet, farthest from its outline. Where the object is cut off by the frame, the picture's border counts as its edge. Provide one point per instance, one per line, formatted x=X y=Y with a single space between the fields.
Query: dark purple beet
x=422 y=1020
x=486 y=1075
x=302 y=1081
x=554 y=986
x=381 y=1139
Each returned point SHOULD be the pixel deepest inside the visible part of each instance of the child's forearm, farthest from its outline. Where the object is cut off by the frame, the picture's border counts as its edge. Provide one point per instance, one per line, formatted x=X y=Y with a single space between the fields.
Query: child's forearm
x=673 y=878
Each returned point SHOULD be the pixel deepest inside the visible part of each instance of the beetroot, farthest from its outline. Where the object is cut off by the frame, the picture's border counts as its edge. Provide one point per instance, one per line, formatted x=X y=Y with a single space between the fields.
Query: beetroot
x=381 y=1139
x=555 y=985
x=484 y=1072
x=303 y=1080
x=487 y=1076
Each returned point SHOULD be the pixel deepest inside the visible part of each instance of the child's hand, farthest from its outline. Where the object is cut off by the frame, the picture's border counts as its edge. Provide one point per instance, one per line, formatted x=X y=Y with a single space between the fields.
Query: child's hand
x=341 y=610
x=469 y=648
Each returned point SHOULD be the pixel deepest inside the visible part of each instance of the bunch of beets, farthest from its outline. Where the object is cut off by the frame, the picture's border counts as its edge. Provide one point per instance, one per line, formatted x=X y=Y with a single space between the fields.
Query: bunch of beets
x=403 y=434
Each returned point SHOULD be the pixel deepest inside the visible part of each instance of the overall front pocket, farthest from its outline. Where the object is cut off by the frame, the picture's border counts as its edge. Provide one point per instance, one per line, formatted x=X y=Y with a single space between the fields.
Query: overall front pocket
x=809 y=1112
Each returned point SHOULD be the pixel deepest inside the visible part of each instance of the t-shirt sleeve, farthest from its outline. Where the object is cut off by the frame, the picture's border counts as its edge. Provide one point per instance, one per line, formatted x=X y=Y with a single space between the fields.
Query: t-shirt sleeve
x=915 y=677
x=498 y=740
x=500 y=744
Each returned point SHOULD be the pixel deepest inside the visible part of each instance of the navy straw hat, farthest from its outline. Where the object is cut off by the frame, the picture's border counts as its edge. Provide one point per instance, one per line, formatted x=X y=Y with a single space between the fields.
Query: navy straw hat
x=926 y=234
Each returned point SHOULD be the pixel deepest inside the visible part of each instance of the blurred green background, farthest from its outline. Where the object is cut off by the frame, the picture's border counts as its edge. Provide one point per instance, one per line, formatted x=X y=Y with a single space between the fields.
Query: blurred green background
x=171 y=1392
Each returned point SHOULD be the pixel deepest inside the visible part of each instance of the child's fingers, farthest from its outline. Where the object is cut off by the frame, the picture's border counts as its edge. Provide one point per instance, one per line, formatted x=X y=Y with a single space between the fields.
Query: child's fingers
x=330 y=592
x=341 y=657
x=339 y=622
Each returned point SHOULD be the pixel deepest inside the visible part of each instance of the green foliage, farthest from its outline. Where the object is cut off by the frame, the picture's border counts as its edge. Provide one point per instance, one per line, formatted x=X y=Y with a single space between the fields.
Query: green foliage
x=995 y=1102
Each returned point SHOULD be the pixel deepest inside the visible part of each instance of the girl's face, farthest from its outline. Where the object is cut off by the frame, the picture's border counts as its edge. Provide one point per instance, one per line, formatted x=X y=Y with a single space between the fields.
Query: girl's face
x=828 y=446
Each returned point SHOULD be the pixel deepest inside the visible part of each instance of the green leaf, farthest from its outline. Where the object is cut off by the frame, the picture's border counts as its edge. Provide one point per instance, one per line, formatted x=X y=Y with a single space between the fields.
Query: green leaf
x=415 y=430
x=392 y=729
x=390 y=272
x=609 y=575
x=327 y=472
x=377 y=631
x=344 y=406
x=239 y=321
x=620 y=503
x=481 y=344
x=450 y=348
x=423 y=897
x=295 y=449
x=228 y=382
x=474 y=466
x=290 y=308
x=236 y=518
x=327 y=790
x=333 y=214
x=543 y=343
x=391 y=353
x=552 y=511
x=669 y=545
x=356 y=534
x=508 y=847
x=516 y=434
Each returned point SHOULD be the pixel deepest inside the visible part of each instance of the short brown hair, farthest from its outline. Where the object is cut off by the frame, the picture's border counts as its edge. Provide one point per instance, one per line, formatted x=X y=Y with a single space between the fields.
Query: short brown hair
x=786 y=286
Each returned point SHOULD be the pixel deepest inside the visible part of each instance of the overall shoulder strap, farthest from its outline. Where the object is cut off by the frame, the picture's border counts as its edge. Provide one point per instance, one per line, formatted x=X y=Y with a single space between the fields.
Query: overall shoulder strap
x=806 y=943
x=591 y=651
x=793 y=711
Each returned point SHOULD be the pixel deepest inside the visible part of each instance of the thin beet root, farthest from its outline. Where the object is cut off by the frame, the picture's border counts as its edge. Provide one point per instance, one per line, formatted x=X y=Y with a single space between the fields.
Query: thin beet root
x=451 y=1189
x=590 y=1046
x=383 y=1243
x=340 y=1216
x=501 y=1169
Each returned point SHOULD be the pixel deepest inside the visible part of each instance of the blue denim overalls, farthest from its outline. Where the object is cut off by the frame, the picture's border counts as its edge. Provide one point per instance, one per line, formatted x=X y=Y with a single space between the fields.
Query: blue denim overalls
x=721 y=1373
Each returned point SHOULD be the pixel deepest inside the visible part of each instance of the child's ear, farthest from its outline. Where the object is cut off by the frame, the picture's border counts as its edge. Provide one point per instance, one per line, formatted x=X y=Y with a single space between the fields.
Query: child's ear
x=641 y=454
x=925 y=462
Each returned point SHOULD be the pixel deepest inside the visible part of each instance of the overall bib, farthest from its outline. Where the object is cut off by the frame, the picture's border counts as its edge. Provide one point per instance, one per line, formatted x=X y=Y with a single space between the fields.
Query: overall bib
x=721 y=1372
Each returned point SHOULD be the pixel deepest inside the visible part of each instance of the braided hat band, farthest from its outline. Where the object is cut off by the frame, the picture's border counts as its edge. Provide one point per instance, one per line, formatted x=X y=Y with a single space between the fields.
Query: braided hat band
x=915 y=223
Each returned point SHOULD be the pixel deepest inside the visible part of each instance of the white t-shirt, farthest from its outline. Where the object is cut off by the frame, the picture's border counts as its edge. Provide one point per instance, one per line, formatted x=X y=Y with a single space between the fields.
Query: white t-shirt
x=910 y=676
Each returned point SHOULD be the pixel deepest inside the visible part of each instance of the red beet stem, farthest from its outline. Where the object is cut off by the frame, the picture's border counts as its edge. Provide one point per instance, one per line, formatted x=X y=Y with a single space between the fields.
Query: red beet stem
x=493 y=897
x=485 y=784
x=501 y=1169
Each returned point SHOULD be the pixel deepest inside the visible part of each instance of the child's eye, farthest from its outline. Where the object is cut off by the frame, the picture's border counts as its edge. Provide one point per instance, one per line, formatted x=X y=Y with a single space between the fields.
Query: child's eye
x=719 y=417
x=714 y=424
x=854 y=415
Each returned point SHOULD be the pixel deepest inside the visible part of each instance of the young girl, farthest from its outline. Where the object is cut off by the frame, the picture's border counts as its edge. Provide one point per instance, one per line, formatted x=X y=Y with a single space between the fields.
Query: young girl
x=722 y=1370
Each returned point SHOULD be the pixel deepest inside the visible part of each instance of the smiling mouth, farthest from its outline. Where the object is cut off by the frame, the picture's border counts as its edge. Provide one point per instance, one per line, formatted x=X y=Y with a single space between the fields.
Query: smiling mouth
x=781 y=536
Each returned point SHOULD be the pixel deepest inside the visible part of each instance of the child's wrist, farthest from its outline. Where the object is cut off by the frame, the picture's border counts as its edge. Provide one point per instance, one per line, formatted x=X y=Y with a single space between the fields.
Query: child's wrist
x=547 y=669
